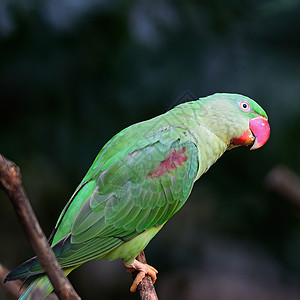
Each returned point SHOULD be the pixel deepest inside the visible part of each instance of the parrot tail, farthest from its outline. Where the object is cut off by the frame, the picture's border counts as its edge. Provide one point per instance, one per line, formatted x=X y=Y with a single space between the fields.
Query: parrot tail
x=30 y=268
x=43 y=284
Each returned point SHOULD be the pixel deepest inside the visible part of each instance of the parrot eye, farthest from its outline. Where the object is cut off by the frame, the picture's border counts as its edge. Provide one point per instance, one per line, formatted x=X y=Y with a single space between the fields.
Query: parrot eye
x=244 y=105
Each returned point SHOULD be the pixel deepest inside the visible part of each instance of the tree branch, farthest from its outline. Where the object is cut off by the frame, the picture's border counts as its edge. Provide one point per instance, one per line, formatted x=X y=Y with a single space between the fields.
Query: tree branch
x=145 y=289
x=284 y=182
x=10 y=182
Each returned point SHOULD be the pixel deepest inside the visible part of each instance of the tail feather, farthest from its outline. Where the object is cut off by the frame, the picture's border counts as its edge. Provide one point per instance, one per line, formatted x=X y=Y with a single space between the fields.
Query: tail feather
x=43 y=284
x=32 y=266
x=27 y=269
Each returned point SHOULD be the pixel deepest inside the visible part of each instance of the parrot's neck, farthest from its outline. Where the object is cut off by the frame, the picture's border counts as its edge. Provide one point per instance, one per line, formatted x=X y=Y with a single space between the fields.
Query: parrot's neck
x=204 y=133
x=210 y=148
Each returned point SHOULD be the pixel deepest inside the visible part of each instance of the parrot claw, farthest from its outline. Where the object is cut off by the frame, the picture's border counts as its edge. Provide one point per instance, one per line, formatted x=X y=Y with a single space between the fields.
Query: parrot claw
x=143 y=270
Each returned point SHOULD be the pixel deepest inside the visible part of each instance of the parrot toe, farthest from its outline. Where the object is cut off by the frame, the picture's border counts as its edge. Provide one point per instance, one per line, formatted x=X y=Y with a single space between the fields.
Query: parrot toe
x=143 y=270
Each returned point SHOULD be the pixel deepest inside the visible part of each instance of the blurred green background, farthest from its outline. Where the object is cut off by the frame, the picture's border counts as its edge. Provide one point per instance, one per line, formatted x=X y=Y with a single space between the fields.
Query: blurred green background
x=75 y=72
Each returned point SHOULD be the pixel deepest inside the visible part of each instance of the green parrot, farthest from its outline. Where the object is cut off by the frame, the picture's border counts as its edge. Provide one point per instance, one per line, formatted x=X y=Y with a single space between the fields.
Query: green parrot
x=140 y=179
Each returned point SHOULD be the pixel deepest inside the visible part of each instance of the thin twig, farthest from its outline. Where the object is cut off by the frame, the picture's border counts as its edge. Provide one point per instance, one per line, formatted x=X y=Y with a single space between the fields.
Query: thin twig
x=10 y=182
x=146 y=289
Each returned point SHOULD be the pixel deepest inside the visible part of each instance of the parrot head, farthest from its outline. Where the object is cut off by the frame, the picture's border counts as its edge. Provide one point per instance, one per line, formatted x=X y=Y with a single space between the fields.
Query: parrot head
x=258 y=131
x=237 y=119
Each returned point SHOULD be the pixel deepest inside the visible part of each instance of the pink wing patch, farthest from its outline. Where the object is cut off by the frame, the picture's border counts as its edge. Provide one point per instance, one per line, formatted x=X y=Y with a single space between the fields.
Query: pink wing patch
x=176 y=158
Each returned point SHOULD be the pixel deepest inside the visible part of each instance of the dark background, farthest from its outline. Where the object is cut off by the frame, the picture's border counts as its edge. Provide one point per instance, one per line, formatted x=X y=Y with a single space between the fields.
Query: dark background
x=73 y=73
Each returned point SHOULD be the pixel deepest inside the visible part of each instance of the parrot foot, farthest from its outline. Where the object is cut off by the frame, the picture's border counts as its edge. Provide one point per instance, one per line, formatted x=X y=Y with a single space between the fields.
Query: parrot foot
x=143 y=270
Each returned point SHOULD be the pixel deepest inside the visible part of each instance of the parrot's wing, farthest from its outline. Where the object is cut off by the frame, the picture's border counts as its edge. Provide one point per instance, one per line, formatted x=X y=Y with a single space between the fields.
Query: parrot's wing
x=134 y=137
x=142 y=189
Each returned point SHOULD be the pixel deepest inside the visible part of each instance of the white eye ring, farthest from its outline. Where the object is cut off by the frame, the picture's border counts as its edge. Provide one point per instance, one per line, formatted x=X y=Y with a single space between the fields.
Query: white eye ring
x=245 y=106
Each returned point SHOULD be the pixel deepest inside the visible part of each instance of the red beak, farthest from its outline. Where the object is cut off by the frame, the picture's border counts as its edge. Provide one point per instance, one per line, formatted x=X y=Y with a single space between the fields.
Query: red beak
x=257 y=135
x=261 y=130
